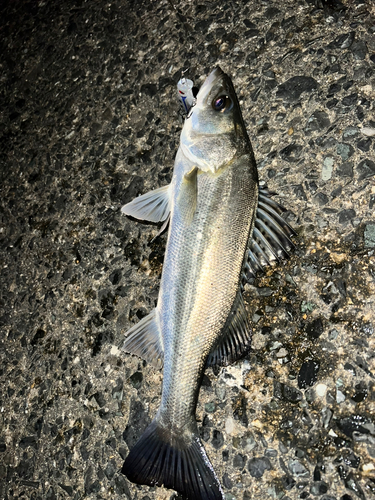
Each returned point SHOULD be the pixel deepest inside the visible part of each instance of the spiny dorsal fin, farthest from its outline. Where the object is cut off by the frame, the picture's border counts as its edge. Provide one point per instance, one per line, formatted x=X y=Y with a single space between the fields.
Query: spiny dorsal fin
x=237 y=336
x=271 y=239
x=145 y=340
x=153 y=206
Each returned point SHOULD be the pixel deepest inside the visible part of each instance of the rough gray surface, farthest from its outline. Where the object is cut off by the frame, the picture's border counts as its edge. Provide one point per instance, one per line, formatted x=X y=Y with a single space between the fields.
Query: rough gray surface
x=88 y=121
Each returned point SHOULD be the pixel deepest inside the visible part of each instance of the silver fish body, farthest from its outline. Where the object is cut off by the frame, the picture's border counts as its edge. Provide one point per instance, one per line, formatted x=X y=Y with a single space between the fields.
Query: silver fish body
x=201 y=276
x=200 y=318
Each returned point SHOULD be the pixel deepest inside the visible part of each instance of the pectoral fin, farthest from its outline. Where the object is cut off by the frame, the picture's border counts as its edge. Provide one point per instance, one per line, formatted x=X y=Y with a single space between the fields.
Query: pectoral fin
x=153 y=206
x=145 y=340
x=163 y=228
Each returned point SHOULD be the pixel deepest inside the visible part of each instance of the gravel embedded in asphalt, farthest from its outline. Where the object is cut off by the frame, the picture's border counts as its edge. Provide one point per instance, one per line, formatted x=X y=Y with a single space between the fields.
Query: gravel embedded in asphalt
x=89 y=120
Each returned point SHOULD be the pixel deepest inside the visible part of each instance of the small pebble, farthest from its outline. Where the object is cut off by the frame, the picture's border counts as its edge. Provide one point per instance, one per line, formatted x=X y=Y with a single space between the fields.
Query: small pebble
x=307 y=307
x=317 y=122
x=349 y=133
x=270 y=452
x=326 y=416
x=340 y=396
x=319 y=488
x=343 y=41
x=346 y=216
x=310 y=395
x=333 y=334
x=291 y=394
x=210 y=407
x=297 y=469
x=258 y=465
x=359 y=50
x=345 y=169
x=239 y=461
x=248 y=443
x=292 y=89
x=315 y=329
x=308 y=373
x=229 y=425
x=217 y=439
x=369 y=235
x=365 y=169
x=367 y=131
x=281 y=353
x=327 y=168
x=321 y=390
x=345 y=150
x=220 y=392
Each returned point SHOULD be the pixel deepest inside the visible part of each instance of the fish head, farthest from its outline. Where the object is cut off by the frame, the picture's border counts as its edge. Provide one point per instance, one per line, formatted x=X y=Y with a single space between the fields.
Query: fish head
x=214 y=133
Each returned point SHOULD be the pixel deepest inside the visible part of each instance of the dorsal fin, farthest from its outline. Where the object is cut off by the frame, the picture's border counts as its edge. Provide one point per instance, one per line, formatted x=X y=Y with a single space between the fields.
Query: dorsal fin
x=236 y=339
x=271 y=239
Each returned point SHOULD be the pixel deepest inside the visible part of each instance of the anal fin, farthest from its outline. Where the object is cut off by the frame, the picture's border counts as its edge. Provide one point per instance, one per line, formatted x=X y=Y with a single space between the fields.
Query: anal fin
x=153 y=206
x=145 y=340
x=236 y=339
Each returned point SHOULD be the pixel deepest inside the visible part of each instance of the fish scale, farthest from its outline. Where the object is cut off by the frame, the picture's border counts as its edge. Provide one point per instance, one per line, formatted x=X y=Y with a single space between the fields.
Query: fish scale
x=200 y=319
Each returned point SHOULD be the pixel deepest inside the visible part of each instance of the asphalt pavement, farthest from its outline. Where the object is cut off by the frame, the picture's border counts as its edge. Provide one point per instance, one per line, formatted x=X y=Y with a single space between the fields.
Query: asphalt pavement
x=89 y=120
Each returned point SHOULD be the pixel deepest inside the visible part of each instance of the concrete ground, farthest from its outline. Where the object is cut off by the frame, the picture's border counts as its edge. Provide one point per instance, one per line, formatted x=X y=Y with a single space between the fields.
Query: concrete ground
x=89 y=120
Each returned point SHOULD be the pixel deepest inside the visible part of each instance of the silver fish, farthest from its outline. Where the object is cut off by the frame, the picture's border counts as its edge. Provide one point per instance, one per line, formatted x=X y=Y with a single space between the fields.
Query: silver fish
x=223 y=229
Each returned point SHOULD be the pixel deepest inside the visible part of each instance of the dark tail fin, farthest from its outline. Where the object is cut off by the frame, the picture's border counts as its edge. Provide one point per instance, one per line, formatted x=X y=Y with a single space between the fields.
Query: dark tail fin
x=177 y=462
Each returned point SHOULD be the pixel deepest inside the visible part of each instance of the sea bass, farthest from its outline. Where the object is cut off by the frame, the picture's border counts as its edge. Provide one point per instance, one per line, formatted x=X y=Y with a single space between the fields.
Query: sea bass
x=222 y=230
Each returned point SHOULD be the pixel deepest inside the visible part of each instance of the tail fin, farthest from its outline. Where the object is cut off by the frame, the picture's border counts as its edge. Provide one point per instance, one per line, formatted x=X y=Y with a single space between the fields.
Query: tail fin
x=177 y=462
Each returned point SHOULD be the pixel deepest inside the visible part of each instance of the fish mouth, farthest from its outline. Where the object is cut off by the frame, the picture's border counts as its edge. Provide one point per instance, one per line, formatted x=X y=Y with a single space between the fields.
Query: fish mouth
x=215 y=73
x=209 y=83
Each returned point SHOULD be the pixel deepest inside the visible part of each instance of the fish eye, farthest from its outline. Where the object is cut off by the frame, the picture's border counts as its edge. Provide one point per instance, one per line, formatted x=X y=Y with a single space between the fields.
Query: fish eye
x=222 y=103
